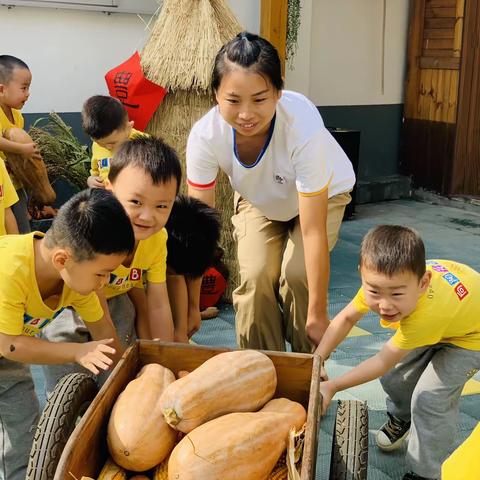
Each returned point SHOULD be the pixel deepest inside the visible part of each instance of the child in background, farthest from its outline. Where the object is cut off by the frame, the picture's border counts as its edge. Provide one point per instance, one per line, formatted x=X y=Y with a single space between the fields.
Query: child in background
x=15 y=80
x=41 y=276
x=193 y=233
x=435 y=308
x=8 y=197
x=105 y=120
x=144 y=175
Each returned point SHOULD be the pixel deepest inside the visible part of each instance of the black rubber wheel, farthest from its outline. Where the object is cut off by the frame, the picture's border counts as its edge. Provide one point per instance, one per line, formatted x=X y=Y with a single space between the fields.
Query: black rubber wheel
x=67 y=403
x=349 y=460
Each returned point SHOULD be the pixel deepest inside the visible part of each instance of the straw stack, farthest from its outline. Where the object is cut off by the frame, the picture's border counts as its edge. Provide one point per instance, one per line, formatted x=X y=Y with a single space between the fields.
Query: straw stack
x=179 y=56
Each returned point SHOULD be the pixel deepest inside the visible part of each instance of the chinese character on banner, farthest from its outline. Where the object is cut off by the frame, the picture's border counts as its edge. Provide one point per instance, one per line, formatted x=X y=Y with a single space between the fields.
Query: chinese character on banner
x=140 y=96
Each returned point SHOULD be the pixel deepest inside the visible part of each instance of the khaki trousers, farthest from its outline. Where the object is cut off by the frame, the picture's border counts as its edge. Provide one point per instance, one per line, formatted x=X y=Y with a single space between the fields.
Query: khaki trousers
x=271 y=301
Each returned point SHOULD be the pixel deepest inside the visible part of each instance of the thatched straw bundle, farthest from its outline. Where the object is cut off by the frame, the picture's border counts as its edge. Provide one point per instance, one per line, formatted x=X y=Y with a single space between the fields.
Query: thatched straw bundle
x=179 y=55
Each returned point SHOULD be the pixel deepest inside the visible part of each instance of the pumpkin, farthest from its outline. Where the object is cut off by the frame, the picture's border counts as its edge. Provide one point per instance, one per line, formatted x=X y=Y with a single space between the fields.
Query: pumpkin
x=237 y=446
x=111 y=471
x=138 y=437
x=238 y=381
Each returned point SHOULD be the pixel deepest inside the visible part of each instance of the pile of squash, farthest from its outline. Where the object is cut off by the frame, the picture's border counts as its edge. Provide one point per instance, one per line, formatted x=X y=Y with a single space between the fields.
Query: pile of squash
x=219 y=422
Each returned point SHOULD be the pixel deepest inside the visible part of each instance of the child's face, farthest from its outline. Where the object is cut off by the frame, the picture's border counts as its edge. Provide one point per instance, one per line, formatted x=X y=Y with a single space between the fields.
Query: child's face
x=247 y=101
x=119 y=136
x=148 y=205
x=15 y=93
x=395 y=297
x=89 y=275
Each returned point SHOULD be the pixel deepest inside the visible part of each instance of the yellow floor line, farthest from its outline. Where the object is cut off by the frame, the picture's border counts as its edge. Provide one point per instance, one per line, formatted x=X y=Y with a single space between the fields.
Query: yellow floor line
x=358 y=332
x=472 y=387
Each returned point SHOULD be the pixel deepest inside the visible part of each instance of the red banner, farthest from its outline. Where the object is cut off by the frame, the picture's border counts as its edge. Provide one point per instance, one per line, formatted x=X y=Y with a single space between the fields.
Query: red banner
x=140 y=96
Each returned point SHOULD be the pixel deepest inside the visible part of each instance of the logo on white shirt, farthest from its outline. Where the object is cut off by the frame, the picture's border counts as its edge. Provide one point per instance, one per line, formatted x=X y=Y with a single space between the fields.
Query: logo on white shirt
x=279 y=179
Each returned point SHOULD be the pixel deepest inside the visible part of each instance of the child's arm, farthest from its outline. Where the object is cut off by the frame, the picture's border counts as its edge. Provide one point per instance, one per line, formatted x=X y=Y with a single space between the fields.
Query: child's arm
x=178 y=299
x=139 y=300
x=11 y=226
x=368 y=370
x=159 y=313
x=94 y=356
x=26 y=149
x=104 y=328
x=194 y=319
x=95 y=181
x=338 y=330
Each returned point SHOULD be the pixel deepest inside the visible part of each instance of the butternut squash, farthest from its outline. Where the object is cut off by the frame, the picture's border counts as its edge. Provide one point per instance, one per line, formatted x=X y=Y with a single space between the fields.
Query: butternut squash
x=238 y=381
x=138 y=436
x=111 y=471
x=237 y=446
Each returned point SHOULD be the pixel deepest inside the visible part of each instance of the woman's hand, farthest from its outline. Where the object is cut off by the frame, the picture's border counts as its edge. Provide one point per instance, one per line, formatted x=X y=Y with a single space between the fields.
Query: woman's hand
x=316 y=327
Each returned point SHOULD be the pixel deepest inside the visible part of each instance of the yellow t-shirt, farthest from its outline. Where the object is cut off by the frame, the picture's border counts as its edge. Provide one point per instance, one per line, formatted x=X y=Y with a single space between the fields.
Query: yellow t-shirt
x=8 y=195
x=149 y=263
x=101 y=157
x=464 y=463
x=5 y=124
x=22 y=310
x=448 y=312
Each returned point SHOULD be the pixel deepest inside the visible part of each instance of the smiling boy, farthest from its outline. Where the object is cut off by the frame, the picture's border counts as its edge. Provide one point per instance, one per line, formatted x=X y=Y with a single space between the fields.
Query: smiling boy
x=15 y=80
x=435 y=308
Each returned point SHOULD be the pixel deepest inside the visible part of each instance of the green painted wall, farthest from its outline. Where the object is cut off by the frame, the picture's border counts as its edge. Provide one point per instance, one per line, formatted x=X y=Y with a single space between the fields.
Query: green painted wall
x=379 y=139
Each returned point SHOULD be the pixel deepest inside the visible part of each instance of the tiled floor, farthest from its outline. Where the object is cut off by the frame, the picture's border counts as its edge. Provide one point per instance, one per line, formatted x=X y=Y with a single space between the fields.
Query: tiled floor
x=448 y=233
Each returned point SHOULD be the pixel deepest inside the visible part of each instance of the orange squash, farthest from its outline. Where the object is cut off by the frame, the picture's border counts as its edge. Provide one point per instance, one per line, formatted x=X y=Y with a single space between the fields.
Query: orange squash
x=237 y=446
x=238 y=381
x=138 y=436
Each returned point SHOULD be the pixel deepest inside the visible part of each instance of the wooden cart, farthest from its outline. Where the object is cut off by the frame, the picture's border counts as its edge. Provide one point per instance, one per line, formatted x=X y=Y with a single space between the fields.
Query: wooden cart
x=85 y=451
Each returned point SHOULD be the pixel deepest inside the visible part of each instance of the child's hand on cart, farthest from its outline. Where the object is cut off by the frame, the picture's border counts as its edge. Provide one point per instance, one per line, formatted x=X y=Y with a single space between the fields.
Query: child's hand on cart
x=95 y=356
x=327 y=391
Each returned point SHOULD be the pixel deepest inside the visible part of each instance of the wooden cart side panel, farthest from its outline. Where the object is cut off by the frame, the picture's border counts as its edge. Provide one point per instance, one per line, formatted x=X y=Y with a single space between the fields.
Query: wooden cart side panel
x=86 y=450
x=309 y=460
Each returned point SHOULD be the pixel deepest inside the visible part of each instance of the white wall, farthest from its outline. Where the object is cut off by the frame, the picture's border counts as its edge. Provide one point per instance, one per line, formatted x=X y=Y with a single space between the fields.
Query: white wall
x=339 y=60
x=69 y=51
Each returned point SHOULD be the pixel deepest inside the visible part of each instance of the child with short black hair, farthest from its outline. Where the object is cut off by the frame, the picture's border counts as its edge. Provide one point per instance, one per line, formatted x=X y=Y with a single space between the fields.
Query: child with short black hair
x=435 y=308
x=105 y=120
x=15 y=80
x=193 y=234
x=145 y=176
x=41 y=276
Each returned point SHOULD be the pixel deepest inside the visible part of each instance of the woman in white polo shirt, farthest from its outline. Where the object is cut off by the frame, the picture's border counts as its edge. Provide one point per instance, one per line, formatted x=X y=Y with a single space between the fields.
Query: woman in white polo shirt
x=292 y=183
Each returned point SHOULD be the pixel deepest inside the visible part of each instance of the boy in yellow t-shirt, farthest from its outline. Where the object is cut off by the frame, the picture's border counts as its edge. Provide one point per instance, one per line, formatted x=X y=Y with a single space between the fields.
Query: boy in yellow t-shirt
x=15 y=80
x=435 y=308
x=105 y=120
x=8 y=197
x=145 y=176
x=41 y=276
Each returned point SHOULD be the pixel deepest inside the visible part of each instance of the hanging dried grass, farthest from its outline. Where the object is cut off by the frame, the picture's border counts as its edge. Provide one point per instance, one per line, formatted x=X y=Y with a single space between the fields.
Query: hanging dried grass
x=183 y=42
x=179 y=55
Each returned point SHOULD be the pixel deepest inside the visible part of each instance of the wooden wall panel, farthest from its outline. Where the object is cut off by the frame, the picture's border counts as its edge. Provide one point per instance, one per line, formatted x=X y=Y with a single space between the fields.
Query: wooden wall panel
x=273 y=25
x=465 y=178
x=431 y=92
